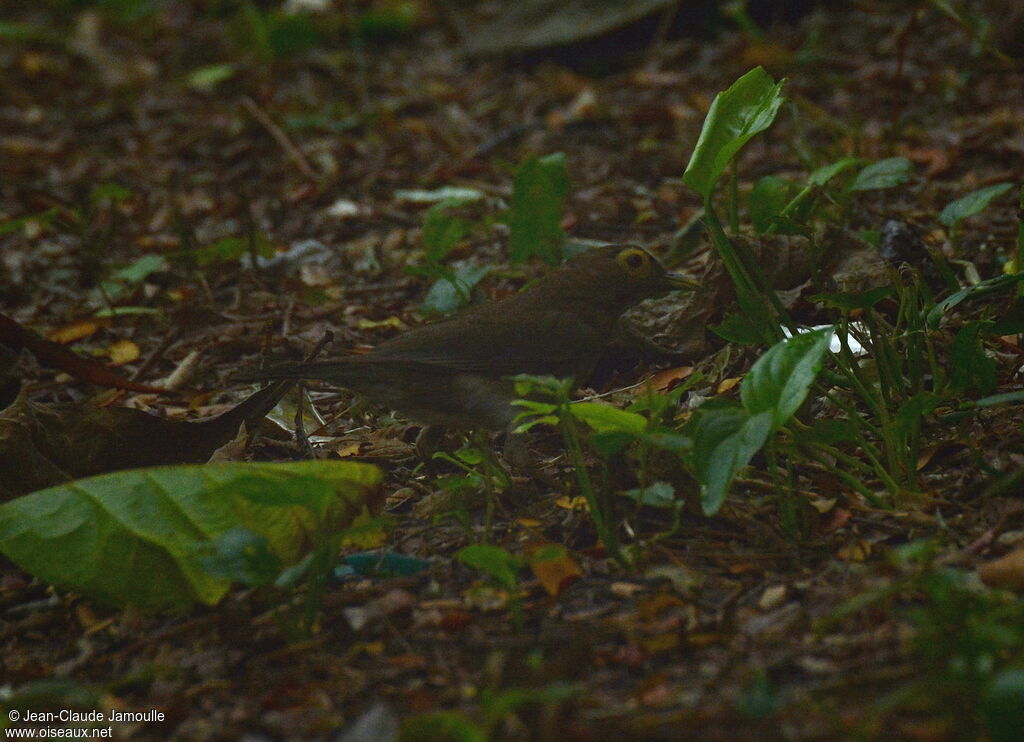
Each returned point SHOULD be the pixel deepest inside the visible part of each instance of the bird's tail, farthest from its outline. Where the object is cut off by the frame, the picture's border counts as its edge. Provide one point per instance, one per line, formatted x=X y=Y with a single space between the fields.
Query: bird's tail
x=338 y=370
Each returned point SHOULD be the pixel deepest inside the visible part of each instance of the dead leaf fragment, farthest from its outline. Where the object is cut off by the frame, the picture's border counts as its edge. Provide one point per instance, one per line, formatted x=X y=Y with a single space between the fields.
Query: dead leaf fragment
x=77 y=330
x=1006 y=572
x=773 y=597
x=554 y=568
x=727 y=384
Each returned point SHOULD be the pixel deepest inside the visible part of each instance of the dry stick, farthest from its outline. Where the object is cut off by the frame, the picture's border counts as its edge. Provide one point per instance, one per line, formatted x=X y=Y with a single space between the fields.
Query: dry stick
x=155 y=356
x=300 y=429
x=282 y=139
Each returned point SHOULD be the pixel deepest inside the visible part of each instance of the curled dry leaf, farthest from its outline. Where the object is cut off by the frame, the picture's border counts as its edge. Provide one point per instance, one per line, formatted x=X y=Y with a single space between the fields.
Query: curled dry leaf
x=42 y=445
x=1006 y=572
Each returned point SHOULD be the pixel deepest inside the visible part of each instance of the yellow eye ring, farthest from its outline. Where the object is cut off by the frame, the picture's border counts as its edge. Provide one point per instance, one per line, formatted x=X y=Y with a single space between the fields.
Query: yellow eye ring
x=634 y=261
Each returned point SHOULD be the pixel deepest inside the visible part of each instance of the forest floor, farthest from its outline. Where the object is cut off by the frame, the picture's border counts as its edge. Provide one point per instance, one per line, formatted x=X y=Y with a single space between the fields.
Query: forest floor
x=857 y=622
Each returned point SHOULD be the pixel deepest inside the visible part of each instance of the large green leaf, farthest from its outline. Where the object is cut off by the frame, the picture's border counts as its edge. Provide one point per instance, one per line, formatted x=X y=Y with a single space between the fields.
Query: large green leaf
x=737 y=114
x=604 y=418
x=136 y=537
x=972 y=203
x=778 y=382
x=724 y=442
x=883 y=174
x=534 y=217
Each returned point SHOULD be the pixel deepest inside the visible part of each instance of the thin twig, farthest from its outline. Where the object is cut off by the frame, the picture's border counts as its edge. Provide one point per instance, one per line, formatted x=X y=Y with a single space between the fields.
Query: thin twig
x=282 y=139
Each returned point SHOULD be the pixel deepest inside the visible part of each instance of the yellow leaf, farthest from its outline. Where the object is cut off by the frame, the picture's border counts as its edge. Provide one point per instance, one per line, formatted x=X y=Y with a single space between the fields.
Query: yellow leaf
x=728 y=384
x=77 y=330
x=123 y=351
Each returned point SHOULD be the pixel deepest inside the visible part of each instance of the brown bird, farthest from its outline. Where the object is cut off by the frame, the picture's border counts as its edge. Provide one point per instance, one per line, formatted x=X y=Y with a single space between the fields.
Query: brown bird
x=454 y=373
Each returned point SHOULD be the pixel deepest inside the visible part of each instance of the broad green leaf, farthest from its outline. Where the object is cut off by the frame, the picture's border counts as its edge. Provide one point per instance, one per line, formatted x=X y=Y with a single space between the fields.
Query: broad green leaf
x=239 y=555
x=494 y=561
x=724 y=442
x=605 y=418
x=137 y=537
x=748 y=107
x=971 y=204
x=767 y=200
x=780 y=379
x=883 y=174
x=448 y=294
x=824 y=174
x=539 y=193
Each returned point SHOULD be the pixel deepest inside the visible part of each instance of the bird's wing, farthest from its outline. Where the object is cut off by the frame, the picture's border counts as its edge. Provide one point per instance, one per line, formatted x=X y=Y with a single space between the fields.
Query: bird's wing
x=560 y=342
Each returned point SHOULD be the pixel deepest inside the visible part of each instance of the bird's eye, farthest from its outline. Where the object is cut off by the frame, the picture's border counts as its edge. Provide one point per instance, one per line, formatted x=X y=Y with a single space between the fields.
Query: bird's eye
x=633 y=261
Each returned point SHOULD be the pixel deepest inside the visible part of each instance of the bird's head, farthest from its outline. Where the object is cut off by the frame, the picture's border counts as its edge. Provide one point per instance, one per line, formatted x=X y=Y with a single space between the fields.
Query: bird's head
x=613 y=276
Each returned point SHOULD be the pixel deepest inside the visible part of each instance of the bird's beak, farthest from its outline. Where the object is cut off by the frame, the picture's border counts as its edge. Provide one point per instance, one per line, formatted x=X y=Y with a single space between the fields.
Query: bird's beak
x=676 y=281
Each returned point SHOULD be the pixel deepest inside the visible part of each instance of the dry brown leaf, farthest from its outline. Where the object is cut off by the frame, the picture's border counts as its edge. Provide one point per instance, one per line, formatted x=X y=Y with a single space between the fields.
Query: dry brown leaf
x=1006 y=572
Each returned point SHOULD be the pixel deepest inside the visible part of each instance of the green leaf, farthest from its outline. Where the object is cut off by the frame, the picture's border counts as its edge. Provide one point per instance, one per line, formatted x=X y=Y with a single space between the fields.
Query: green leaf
x=210 y=76
x=448 y=294
x=1003 y=705
x=441 y=726
x=737 y=328
x=113 y=192
x=748 y=107
x=137 y=537
x=725 y=440
x=605 y=418
x=824 y=174
x=1000 y=399
x=14 y=31
x=656 y=495
x=239 y=555
x=548 y=386
x=971 y=204
x=970 y=367
x=229 y=249
x=977 y=291
x=767 y=200
x=1011 y=323
x=132 y=275
x=780 y=379
x=442 y=231
x=883 y=174
x=539 y=193
x=13 y=225
x=501 y=565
